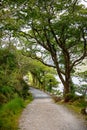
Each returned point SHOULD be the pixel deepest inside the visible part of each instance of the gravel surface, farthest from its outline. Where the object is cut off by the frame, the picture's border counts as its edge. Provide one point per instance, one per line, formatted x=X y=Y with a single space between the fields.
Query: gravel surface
x=44 y=114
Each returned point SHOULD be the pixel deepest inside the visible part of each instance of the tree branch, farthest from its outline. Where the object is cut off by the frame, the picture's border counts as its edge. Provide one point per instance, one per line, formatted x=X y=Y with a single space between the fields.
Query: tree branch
x=76 y=62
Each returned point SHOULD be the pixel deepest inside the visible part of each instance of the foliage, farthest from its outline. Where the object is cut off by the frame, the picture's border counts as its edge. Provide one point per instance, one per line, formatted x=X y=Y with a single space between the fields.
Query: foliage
x=9 y=114
x=13 y=67
x=71 y=97
x=56 y=29
x=49 y=81
x=43 y=75
x=57 y=93
x=7 y=92
x=77 y=105
x=11 y=76
x=82 y=88
x=25 y=90
x=7 y=65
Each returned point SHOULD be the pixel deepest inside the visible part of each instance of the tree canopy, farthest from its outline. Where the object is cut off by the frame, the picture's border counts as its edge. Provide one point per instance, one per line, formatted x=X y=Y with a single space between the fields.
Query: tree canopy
x=53 y=29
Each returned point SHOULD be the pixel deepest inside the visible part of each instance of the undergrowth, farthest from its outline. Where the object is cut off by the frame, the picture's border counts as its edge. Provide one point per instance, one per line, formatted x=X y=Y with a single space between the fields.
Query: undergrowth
x=10 y=113
x=77 y=104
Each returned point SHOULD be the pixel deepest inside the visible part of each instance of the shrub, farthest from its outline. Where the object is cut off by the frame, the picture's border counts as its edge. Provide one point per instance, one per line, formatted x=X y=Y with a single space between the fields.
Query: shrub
x=9 y=114
x=69 y=97
x=25 y=89
x=3 y=99
x=7 y=91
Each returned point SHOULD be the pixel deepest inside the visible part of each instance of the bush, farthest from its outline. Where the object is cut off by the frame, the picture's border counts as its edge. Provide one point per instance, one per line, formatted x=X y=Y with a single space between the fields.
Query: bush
x=3 y=99
x=7 y=91
x=25 y=89
x=9 y=114
x=71 y=97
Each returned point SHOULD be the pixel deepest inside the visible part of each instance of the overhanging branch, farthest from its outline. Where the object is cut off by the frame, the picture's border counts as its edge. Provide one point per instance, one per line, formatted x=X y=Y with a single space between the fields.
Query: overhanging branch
x=76 y=62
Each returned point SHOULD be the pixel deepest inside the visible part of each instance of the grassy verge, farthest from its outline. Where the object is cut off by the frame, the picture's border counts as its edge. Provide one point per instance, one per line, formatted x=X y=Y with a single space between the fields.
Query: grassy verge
x=10 y=113
x=76 y=105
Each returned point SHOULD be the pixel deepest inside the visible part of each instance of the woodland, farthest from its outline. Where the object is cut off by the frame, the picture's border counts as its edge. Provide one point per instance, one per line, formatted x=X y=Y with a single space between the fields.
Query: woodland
x=41 y=39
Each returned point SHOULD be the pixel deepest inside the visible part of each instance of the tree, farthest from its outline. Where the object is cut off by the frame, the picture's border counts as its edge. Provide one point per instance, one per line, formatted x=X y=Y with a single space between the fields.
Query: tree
x=41 y=74
x=60 y=27
x=49 y=81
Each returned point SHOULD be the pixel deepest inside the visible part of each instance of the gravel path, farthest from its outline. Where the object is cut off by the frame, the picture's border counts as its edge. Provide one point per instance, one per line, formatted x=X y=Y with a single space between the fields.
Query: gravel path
x=44 y=114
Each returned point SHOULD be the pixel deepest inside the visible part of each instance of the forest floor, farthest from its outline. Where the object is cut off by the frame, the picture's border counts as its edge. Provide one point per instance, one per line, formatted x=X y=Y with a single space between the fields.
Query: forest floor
x=44 y=114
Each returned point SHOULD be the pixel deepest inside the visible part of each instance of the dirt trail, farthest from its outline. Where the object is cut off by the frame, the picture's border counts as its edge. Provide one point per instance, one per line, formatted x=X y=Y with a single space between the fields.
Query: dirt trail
x=44 y=114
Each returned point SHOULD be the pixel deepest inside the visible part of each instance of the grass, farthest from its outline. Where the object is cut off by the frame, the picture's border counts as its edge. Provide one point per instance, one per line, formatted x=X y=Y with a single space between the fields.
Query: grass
x=77 y=106
x=10 y=113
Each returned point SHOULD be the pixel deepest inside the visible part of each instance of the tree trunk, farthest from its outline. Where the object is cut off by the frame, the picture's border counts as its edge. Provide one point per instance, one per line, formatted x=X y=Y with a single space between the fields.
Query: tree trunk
x=67 y=83
x=66 y=76
x=66 y=92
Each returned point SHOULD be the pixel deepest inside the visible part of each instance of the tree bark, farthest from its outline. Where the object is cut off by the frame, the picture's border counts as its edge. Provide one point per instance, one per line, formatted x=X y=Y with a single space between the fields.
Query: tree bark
x=66 y=78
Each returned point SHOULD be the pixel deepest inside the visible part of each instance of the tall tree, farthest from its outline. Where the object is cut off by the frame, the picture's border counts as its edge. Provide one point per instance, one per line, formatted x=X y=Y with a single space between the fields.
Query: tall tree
x=60 y=27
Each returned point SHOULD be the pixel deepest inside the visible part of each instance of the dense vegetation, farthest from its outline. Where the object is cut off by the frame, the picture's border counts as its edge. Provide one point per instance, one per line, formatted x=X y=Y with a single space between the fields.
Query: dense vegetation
x=34 y=32
x=54 y=30
x=42 y=76
x=14 y=91
x=11 y=80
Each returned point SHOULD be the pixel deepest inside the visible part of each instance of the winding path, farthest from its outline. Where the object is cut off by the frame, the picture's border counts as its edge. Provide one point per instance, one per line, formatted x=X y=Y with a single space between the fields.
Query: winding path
x=44 y=114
